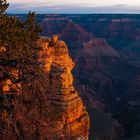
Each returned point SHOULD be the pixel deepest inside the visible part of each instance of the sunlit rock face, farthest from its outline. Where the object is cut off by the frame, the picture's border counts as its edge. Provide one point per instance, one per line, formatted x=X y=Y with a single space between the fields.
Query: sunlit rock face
x=47 y=108
x=57 y=66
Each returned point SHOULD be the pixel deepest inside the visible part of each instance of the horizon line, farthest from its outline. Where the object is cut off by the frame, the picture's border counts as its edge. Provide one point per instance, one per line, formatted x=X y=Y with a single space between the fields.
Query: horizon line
x=70 y=9
x=104 y=13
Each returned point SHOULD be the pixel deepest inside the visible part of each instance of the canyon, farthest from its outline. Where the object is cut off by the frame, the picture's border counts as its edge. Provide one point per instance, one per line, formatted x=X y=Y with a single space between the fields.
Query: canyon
x=106 y=52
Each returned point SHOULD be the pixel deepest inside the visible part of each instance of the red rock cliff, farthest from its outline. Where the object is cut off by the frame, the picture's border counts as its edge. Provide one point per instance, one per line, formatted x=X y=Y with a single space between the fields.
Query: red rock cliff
x=61 y=93
x=49 y=110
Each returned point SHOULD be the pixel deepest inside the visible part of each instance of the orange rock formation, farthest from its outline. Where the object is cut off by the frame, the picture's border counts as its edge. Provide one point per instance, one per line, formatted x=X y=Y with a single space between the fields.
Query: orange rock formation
x=57 y=67
x=50 y=110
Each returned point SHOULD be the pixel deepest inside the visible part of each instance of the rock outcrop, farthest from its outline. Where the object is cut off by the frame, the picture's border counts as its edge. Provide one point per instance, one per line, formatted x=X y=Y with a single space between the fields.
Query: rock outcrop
x=61 y=93
x=47 y=108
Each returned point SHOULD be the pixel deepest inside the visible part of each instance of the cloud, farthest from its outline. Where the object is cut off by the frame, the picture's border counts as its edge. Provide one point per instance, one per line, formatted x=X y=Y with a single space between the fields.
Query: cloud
x=70 y=9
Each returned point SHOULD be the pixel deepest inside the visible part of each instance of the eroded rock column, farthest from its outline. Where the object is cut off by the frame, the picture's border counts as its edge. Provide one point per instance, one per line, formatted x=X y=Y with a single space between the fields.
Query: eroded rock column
x=62 y=94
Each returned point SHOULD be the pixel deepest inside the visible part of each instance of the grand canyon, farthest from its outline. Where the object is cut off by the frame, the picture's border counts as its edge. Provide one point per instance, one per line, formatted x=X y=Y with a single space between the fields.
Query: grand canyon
x=106 y=52
x=79 y=79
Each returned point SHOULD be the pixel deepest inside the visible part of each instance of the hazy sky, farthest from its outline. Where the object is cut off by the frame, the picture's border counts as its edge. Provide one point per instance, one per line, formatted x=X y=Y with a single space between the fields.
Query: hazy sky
x=75 y=6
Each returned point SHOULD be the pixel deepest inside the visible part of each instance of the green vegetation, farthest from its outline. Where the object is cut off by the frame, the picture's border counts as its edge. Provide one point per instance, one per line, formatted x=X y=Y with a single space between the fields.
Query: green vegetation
x=18 y=48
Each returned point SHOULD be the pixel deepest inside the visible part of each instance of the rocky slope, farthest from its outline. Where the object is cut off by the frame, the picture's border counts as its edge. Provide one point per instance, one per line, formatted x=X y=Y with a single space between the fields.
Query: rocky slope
x=121 y=31
x=98 y=47
x=51 y=109
x=67 y=30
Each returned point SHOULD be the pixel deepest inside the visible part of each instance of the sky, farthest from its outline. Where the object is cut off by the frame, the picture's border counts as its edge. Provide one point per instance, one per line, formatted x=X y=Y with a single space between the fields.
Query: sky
x=74 y=6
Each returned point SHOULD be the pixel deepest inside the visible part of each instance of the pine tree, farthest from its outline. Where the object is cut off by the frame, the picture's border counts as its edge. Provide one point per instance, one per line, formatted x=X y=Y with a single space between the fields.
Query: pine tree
x=18 y=48
x=3 y=6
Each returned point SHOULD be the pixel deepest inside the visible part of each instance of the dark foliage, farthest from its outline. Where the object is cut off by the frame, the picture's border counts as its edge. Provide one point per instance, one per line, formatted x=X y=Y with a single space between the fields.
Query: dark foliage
x=18 y=48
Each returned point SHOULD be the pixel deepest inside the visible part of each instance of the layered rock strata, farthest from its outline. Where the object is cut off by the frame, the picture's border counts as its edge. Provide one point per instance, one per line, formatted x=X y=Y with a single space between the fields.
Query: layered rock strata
x=57 y=65
x=47 y=108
